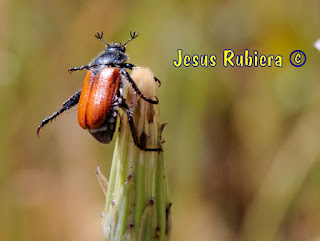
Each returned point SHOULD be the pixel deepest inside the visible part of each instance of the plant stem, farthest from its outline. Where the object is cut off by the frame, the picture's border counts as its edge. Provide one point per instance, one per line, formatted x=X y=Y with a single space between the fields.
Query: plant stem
x=137 y=206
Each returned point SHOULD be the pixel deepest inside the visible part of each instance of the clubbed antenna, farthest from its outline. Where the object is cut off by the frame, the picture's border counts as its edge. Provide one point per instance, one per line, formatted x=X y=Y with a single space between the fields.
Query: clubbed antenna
x=133 y=36
x=99 y=36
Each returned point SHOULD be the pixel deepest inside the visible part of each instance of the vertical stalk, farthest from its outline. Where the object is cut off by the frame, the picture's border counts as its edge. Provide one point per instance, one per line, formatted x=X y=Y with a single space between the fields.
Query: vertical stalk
x=137 y=206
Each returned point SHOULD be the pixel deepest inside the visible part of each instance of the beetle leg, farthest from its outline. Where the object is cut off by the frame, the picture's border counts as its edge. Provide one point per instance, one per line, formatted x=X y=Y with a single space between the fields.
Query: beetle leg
x=72 y=101
x=134 y=131
x=79 y=68
x=122 y=65
x=135 y=87
x=127 y=66
x=131 y=66
x=158 y=81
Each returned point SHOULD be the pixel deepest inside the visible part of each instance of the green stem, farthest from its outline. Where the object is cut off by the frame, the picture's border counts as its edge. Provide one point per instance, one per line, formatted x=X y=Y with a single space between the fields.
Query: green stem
x=137 y=206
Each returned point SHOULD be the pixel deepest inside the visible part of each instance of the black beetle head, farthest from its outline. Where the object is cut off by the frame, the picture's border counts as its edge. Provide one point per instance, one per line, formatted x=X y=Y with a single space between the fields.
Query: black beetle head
x=116 y=47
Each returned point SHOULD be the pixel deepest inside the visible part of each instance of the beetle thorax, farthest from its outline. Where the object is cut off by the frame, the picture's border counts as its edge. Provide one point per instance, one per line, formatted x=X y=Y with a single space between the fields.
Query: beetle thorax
x=113 y=54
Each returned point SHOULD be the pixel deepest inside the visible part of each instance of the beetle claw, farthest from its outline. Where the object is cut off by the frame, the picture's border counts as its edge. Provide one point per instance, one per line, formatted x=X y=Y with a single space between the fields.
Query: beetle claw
x=38 y=131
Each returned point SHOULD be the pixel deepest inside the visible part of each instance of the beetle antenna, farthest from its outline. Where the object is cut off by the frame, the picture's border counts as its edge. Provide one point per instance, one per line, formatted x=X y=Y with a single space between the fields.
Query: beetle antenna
x=99 y=36
x=132 y=35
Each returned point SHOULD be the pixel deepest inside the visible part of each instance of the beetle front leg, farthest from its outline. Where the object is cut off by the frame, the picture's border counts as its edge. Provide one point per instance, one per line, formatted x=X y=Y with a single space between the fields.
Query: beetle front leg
x=72 y=101
x=134 y=131
x=127 y=66
x=135 y=87
x=79 y=68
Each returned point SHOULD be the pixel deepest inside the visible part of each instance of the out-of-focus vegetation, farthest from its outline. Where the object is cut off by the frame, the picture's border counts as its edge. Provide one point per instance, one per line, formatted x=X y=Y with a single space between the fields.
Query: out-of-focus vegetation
x=242 y=145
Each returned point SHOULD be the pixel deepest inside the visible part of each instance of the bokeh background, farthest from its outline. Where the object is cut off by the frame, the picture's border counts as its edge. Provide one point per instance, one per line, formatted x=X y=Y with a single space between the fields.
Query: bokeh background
x=242 y=144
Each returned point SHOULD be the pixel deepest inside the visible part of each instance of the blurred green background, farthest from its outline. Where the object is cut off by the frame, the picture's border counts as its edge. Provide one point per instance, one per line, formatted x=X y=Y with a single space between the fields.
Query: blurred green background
x=242 y=144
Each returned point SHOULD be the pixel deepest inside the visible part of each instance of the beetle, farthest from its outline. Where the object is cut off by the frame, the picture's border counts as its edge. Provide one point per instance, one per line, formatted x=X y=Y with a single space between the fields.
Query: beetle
x=102 y=93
